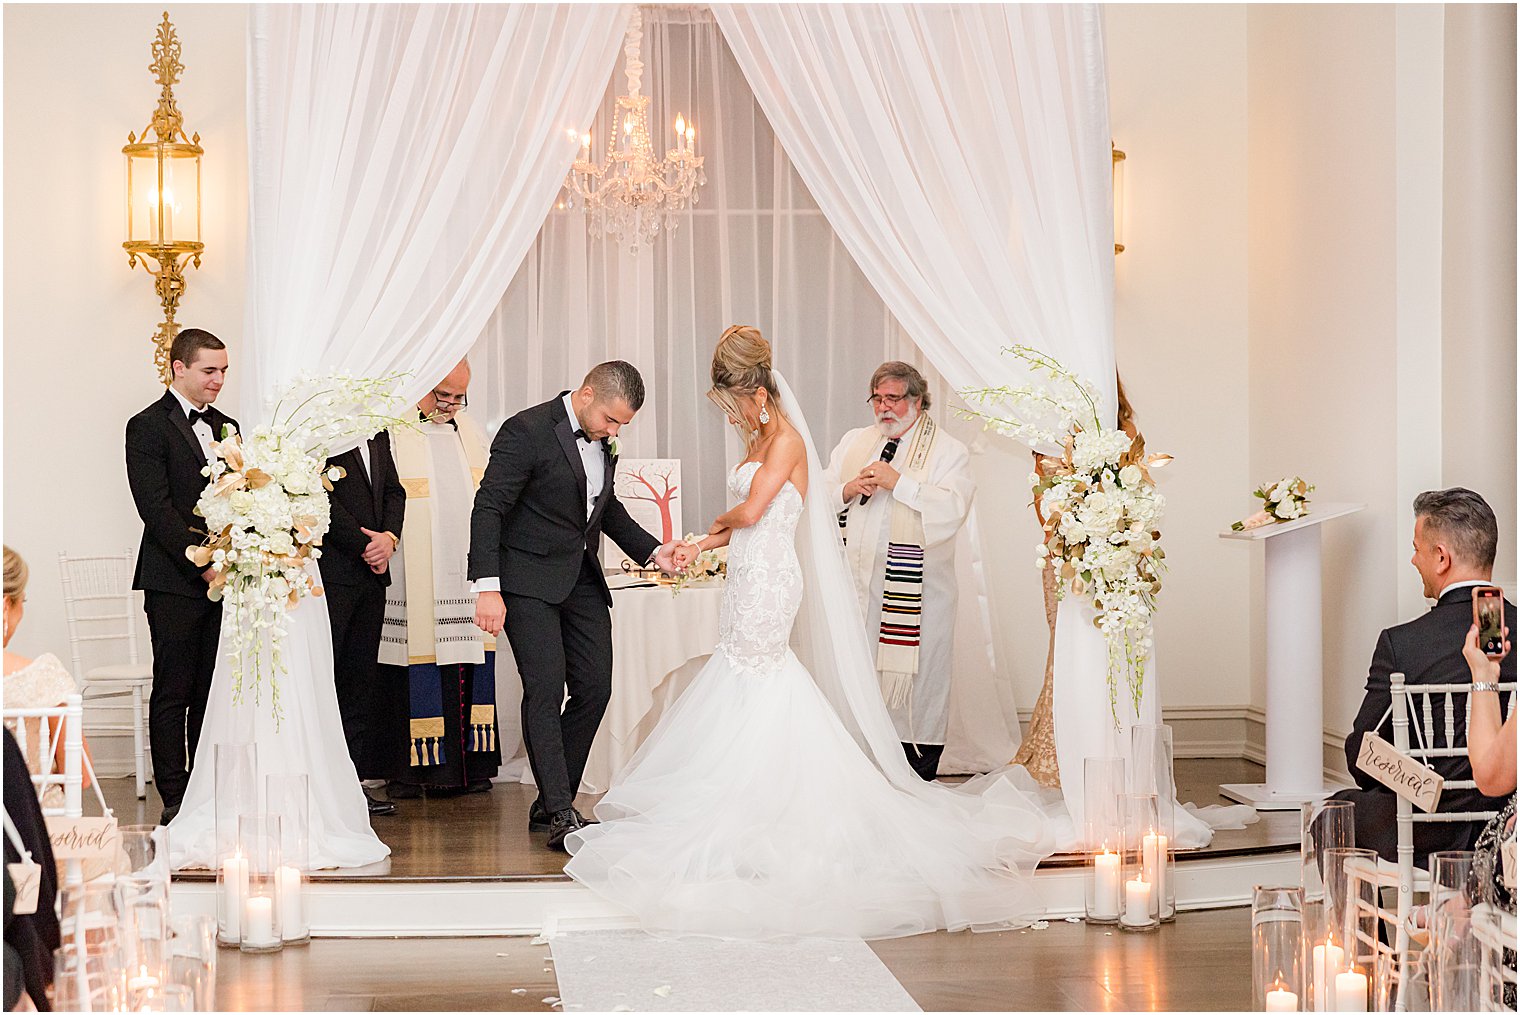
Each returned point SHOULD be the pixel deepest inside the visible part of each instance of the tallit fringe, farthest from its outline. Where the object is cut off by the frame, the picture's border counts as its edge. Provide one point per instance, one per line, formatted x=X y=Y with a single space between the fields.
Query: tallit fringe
x=897 y=688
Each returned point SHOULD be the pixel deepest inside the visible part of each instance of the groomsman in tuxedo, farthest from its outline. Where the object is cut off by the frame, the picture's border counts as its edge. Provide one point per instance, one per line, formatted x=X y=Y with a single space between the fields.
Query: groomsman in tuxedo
x=1456 y=538
x=543 y=504
x=168 y=444
x=367 y=507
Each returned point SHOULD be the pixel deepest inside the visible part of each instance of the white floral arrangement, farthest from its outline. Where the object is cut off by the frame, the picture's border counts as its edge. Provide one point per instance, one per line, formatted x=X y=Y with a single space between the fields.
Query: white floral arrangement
x=1283 y=501
x=1101 y=508
x=266 y=511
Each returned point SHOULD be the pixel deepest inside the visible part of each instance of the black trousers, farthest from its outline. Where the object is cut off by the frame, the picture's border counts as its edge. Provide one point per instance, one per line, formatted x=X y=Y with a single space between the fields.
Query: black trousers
x=185 y=631
x=369 y=701
x=560 y=646
x=924 y=758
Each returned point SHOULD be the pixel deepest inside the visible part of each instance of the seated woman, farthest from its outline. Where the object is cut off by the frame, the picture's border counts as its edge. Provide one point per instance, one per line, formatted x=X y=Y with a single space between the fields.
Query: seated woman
x=1492 y=750
x=34 y=683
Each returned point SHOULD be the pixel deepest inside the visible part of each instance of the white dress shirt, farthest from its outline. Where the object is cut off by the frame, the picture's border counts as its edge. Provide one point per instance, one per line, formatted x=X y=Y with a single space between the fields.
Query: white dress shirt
x=201 y=427
x=592 y=458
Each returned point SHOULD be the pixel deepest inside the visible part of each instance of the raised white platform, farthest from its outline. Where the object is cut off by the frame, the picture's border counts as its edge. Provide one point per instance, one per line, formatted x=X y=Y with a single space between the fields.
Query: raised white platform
x=462 y=908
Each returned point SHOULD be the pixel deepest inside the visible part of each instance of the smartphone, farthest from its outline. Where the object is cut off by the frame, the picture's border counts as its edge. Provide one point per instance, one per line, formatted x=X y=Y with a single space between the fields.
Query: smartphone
x=1488 y=614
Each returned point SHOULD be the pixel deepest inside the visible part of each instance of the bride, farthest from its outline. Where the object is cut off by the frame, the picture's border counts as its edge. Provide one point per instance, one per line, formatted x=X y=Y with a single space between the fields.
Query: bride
x=773 y=798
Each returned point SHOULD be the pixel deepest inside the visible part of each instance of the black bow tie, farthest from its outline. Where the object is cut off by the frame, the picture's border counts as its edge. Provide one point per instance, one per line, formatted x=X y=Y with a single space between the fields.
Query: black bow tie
x=580 y=435
x=197 y=415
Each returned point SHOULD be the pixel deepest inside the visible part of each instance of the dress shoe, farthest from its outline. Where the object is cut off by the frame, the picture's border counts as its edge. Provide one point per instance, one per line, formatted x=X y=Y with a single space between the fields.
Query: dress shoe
x=168 y=815
x=538 y=818
x=377 y=804
x=562 y=824
x=405 y=791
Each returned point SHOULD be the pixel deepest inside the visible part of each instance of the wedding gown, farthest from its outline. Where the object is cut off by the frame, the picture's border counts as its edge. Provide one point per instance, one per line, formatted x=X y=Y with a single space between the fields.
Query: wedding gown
x=774 y=801
x=309 y=739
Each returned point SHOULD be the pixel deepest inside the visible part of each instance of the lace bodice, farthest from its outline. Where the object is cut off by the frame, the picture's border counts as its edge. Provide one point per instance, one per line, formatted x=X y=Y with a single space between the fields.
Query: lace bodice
x=764 y=586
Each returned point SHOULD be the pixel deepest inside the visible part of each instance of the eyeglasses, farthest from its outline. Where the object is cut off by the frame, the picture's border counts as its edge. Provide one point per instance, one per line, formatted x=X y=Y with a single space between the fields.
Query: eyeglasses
x=460 y=400
x=877 y=401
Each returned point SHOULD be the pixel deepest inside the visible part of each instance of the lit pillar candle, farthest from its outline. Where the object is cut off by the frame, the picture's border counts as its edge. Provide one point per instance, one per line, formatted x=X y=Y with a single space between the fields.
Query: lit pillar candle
x=1137 y=902
x=1350 y=991
x=234 y=893
x=1106 y=886
x=1280 y=999
x=288 y=886
x=1327 y=962
x=259 y=918
x=1153 y=863
x=680 y=132
x=142 y=981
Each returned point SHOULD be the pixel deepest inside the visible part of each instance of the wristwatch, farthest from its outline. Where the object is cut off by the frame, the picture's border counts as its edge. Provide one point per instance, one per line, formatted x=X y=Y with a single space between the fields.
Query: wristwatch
x=395 y=539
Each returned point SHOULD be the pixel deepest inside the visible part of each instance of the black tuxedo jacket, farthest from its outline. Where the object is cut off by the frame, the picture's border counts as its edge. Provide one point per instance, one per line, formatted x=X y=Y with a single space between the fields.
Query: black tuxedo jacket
x=164 y=463
x=373 y=499
x=529 y=525
x=1427 y=650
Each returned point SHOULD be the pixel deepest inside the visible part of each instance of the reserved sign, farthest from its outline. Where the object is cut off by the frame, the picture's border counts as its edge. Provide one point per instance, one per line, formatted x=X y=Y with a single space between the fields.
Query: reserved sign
x=84 y=838
x=1417 y=783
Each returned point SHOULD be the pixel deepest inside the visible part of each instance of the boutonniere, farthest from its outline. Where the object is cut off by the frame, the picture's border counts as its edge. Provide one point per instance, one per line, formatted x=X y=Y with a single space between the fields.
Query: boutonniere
x=613 y=447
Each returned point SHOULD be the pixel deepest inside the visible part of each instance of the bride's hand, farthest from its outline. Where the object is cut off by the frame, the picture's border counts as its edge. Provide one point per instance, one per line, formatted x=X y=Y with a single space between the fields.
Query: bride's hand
x=685 y=553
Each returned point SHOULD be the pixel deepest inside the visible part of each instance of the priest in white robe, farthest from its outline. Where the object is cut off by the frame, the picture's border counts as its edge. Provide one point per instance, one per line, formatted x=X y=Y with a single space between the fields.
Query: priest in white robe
x=430 y=627
x=904 y=488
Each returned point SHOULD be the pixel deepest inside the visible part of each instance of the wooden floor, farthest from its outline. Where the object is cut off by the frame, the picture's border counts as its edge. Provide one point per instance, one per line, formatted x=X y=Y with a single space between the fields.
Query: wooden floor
x=484 y=836
x=1200 y=963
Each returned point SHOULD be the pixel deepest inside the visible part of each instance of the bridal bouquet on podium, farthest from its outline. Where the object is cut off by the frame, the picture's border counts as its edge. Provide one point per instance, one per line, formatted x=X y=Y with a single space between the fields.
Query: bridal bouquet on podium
x=266 y=511
x=1100 y=507
x=1284 y=501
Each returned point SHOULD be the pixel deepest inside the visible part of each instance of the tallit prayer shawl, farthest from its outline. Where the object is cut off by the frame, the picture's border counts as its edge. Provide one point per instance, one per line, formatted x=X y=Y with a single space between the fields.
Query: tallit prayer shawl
x=430 y=608
x=903 y=589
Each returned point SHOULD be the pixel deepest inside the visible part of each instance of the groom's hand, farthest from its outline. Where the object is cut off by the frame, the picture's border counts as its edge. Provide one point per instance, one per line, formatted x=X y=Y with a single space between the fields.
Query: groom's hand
x=664 y=557
x=490 y=612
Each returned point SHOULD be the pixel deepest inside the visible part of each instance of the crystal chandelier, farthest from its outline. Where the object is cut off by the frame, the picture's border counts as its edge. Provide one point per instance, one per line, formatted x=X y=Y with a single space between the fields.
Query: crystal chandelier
x=632 y=192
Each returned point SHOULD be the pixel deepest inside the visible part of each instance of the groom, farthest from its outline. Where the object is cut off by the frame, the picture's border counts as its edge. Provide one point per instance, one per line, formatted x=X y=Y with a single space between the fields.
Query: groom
x=542 y=506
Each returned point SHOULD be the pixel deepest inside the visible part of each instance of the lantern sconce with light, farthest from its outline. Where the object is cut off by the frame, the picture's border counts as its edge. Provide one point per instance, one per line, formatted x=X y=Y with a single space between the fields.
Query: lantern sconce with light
x=1118 y=182
x=164 y=195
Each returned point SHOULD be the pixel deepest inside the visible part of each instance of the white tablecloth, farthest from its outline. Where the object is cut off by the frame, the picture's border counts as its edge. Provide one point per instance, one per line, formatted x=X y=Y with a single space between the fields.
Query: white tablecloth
x=660 y=640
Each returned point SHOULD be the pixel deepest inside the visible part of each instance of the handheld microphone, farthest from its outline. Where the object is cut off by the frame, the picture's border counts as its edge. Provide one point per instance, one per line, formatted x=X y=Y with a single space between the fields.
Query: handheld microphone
x=887 y=454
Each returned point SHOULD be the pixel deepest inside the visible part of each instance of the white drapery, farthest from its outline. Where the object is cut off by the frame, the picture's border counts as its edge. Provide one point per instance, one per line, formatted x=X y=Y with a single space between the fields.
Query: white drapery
x=401 y=160
x=961 y=153
x=755 y=250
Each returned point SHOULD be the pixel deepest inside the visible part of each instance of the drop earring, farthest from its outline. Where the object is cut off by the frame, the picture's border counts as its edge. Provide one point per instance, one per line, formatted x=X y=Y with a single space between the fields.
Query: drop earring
x=765 y=417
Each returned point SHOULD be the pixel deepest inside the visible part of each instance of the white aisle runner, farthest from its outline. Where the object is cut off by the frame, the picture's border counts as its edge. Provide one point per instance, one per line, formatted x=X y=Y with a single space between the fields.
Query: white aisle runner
x=627 y=970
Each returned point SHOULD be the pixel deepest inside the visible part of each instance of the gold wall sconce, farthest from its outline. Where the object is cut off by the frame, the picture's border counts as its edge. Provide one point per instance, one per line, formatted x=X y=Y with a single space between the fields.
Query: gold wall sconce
x=1118 y=181
x=164 y=196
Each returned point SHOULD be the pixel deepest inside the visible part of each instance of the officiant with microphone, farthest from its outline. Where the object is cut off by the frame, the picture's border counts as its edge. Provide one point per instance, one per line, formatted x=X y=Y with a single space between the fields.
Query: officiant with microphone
x=904 y=487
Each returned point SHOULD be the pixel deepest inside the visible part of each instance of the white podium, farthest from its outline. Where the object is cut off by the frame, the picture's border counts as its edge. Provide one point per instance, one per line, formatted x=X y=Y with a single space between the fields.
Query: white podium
x=1295 y=663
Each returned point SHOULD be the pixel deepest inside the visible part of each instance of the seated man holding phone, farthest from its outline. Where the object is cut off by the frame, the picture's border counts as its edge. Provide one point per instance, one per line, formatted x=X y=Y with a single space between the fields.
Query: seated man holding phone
x=1455 y=540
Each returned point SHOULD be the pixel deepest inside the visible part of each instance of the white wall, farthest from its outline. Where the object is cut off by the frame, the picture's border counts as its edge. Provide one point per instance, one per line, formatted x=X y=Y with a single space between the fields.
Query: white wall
x=1177 y=87
x=78 y=360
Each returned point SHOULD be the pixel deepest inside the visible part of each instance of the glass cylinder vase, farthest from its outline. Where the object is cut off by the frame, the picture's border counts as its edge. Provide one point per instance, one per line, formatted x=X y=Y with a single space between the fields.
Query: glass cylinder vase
x=237 y=794
x=288 y=798
x=259 y=919
x=1103 y=829
x=1152 y=772
x=1455 y=951
x=1141 y=908
x=1344 y=963
x=1323 y=824
x=1277 y=948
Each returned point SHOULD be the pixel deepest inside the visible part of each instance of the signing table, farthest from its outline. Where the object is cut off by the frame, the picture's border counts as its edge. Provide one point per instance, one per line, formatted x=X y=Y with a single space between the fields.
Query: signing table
x=660 y=640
